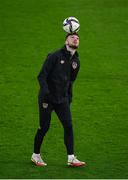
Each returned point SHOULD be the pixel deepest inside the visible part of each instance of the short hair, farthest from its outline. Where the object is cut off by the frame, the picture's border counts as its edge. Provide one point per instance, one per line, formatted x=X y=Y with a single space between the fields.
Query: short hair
x=74 y=33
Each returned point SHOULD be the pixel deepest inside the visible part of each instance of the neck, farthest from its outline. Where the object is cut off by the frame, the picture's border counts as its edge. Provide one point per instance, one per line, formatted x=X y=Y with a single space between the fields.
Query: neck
x=72 y=51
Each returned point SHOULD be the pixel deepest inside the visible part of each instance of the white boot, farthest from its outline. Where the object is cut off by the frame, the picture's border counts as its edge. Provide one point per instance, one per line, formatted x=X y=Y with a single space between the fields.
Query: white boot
x=75 y=162
x=36 y=158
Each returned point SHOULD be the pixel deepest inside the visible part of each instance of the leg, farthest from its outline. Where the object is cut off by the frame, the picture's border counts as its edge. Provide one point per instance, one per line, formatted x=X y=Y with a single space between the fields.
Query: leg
x=64 y=114
x=45 y=118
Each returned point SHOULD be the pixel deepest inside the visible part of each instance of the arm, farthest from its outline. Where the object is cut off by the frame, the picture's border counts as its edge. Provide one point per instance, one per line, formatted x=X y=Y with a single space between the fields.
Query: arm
x=70 y=89
x=45 y=71
x=74 y=73
x=74 y=70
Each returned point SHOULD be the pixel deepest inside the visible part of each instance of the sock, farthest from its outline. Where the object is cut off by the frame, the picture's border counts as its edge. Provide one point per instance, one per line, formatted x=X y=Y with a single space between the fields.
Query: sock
x=34 y=154
x=70 y=157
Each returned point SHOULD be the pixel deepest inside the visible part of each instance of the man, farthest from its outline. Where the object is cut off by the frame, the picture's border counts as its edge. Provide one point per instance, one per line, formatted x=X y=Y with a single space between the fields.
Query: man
x=56 y=79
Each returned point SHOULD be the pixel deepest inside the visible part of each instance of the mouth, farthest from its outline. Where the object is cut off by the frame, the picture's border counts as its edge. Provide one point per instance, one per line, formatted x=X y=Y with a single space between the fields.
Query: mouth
x=73 y=46
x=75 y=42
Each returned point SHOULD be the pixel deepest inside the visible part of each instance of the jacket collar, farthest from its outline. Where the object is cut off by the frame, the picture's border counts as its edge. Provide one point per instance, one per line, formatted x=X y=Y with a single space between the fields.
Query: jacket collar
x=67 y=53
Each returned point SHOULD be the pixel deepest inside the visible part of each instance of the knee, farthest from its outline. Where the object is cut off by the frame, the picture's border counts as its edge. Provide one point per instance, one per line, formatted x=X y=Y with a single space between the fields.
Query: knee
x=43 y=129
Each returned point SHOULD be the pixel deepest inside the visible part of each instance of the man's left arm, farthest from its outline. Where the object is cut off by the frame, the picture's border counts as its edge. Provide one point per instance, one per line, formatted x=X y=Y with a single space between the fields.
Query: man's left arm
x=75 y=69
x=74 y=72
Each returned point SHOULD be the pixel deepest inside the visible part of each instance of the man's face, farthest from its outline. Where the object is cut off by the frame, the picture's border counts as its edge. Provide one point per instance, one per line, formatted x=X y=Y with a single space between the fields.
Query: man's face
x=72 y=41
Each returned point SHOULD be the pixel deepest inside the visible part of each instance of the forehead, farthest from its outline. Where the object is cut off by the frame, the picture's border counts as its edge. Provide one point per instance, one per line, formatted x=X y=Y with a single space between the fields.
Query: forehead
x=73 y=36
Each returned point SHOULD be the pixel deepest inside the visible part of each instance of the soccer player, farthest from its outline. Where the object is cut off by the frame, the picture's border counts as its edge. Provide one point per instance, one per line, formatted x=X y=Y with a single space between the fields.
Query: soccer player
x=56 y=78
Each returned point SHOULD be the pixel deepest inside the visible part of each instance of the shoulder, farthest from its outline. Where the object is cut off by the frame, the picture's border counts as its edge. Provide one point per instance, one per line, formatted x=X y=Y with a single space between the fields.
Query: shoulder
x=55 y=54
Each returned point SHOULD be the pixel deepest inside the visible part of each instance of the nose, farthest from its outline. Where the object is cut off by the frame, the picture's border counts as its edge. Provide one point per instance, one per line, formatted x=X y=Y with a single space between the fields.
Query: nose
x=76 y=38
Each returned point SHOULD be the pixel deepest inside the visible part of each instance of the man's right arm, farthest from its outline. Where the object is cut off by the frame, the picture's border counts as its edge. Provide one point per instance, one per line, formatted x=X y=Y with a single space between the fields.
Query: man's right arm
x=45 y=70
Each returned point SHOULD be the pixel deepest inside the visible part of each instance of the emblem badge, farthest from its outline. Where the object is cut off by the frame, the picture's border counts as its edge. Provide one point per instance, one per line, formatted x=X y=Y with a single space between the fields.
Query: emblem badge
x=62 y=61
x=45 y=105
x=74 y=65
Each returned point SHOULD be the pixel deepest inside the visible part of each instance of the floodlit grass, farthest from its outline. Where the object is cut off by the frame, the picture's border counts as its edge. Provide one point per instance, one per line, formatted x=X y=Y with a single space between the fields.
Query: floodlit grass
x=29 y=29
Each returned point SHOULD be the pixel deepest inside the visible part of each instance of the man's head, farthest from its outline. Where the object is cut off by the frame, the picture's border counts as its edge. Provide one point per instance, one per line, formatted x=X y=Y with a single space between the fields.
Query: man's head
x=72 y=40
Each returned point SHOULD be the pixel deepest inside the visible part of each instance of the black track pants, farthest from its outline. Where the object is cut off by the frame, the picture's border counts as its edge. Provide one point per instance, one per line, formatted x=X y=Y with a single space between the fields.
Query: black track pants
x=63 y=112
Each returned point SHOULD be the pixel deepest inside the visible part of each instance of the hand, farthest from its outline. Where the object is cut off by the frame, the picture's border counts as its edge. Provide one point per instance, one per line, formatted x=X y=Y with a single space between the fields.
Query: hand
x=46 y=98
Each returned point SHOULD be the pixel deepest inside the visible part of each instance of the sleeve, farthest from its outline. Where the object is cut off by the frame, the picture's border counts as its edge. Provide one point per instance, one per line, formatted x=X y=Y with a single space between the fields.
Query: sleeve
x=74 y=73
x=45 y=71
x=74 y=70
x=70 y=89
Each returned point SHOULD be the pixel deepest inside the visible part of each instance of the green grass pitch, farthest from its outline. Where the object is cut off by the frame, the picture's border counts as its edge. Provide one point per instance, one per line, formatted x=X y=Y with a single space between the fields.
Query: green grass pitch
x=29 y=29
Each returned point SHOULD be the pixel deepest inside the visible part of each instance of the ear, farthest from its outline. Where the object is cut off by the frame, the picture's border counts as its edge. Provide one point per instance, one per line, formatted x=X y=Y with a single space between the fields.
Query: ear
x=66 y=42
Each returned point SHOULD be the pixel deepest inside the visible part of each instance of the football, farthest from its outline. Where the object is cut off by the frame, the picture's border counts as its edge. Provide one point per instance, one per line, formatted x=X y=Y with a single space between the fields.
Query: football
x=71 y=25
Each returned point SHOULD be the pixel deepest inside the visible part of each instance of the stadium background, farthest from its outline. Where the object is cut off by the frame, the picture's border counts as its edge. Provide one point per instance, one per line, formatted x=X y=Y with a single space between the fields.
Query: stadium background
x=29 y=29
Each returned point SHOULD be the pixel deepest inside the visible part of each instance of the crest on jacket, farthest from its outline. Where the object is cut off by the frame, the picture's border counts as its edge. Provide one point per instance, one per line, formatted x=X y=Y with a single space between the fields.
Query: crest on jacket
x=74 y=65
x=45 y=105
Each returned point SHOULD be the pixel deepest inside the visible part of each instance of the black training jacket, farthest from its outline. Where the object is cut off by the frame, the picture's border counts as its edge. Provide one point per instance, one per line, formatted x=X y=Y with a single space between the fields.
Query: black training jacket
x=56 y=77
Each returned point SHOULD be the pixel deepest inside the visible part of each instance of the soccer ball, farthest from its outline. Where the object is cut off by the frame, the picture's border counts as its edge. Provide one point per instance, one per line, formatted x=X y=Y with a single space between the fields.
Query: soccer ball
x=71 y=25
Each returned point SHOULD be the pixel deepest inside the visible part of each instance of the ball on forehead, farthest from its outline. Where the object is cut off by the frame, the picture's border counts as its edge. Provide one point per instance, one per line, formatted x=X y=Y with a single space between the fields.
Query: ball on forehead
x=71 y=25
